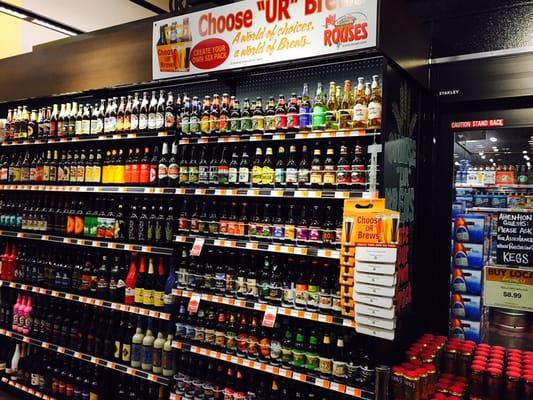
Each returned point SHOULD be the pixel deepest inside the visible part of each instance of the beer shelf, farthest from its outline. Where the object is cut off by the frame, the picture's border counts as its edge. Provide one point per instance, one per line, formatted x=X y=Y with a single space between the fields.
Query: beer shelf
x=87 y=300
x=194 y=191
x=89 y=242
x=262 y=246
x=491 y=187
x=287 y=311
x=81 y=139
x=266 y=136
x=25 y=389
x=87 y=358
x=495 y=209
x=268 y=368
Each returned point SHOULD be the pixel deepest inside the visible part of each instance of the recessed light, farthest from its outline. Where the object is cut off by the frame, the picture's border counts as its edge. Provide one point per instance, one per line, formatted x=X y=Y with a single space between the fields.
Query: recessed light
x=483 y=157
x=457 y=163
x=526 y=157
x=524 y=151
x=493 y=139
x=480 y=153
x=491 y=159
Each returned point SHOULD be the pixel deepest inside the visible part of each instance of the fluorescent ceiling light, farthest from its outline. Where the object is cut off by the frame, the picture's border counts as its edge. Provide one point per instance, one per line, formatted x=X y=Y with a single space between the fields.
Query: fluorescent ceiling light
x=524 y=151
x=53 y=27
x=483 y=157
x=491 y=159
x=13 y=13
x=493 y=139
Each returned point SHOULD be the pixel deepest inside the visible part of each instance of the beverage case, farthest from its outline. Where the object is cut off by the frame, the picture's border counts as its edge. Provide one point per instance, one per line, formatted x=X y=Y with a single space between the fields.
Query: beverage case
x=471 y=228
x=467 y=280
x=470 y=255
x=464 y=306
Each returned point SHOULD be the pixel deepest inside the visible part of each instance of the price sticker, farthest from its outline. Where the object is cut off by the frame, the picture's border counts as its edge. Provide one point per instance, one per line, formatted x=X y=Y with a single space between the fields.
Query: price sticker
x=197 y=246
x=356 y=392
x=194 y=303
x=322 y=383
x=269 y=317
x=510 y=288
x=299 y=377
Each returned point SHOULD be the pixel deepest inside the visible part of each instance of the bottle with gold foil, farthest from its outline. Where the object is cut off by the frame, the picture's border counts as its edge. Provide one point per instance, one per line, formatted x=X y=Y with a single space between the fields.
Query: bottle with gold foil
x=316 y=173
x=257 y=167
x=345 y=116
x=267 y=175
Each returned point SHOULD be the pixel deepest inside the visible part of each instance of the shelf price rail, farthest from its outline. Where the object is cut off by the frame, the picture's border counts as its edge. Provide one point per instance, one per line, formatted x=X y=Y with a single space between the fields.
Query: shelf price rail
x=274 y=370
x=87 y=300
x=262 y=246
x=28 y=390
x=89 y=242
x=287 y=311
x=87 y=358
x=325 y=193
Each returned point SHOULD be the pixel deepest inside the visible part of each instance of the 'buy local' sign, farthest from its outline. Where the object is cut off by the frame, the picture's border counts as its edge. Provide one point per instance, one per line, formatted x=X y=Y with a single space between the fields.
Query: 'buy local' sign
x=251 y=32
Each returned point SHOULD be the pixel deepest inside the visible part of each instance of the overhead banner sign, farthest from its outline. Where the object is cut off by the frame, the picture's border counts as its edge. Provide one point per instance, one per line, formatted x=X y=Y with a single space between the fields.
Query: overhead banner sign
x=255 y=32
x=509 y=288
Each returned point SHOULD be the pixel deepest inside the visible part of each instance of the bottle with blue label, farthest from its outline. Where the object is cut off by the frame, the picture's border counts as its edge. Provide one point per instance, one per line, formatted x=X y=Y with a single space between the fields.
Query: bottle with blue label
x=136 y=344
x=305 y=109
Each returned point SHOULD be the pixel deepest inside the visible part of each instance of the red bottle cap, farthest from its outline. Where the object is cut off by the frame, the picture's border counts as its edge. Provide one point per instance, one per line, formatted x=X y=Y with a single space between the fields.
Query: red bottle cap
x=513 y=374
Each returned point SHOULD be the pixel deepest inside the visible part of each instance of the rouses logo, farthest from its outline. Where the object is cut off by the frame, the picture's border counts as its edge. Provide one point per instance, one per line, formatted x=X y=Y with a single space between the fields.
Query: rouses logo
x=348 y=28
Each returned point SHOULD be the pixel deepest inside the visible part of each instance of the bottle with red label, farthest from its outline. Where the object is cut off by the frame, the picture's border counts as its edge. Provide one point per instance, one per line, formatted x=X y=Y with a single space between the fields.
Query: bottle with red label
x=144 y=167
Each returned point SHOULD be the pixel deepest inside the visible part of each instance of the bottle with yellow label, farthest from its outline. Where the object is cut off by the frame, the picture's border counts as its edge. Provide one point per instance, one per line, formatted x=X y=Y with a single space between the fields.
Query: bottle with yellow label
x=267 y=175
x=120 y=167
x=205 y=119
x=316 y=173
x=257 y=167
x=106 y=168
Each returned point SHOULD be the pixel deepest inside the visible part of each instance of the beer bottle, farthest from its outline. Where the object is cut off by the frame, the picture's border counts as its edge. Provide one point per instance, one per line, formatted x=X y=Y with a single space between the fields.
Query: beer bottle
x=154 y=166
x=298 y=350
x=280 y=119
x=330 y=170
x=325 y=359
x=152 y=112
x=135 y=113
x=54 y=122
x=220 y=275
x=233 y=173
x=160 y=112
x=360 y=110
x=258 y=118
x=223 y=114
x=235 y=116
x=267 y=174
x=253 y=337
x=358 y=167
x=46 y=123
x=162 y=168
x=339 y=360
x=231 y=333
x=313 y=289
x=32 y=126
x=375 y=106
x=315 y=230
x=244 y=168
x=328 y=227
x=149 y=284
x=311 y=354
x=60 y=121
x=223 y=168
x=113 y=116
x=120 y=114
x=303 y=169
x=139 y=284
x=289 y=227
x=246 y=117
x=83 y=122
x=279 y=173
x=97 y=167
x=183 y=169
x=143 y=223
x=93 y=124
x=170 y=116
x=270 y=116
x=214 y=115
x=242 y=335
x=264 y=282
x=257 y=167
x=144 y=167
x=220 y=330
x=287 y=346
x=127 y=115
x=305 y=109
x=143 y=113
x=319 y=109
x=344 y=174
x=278 y=227
x=291 y=174
x=230 y=274
x=203 y=168
x=331 y=106
x=205 y=119
x=80 y=174
x=293 y=114
x=251 y=279
x=178 y=110
x=173 y=167
x=345 y=118
x=169 y=226
x=316 y=173
x=150 y=227
x=302 y=227
x=195 y=116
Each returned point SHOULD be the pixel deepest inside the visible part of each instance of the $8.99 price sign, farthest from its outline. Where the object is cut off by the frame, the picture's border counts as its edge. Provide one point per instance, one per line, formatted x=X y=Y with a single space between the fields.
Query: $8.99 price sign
x=510 y=288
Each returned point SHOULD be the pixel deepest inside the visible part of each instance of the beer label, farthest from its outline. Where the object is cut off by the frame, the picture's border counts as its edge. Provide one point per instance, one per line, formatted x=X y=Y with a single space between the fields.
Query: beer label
x=244 y=175
x=223 y=123
x=316 y=174
x=278 y=231
x=167 y=360
x=233 y=175
x=290 y=232
x=185 y=124
x=173 y=171
x=158 y=298
x=157 y=355
x=343 y=173
x=303 y=175
x=194 y=124
x=134 y=122
x=312 y=296
x=315 y=234
x=275 y=350
x=280 y=121
x=205 y=124
x=184 y=174
x=203 y=174
x=169 y=120
x=329 y=175
x=213 y=174
x=231 y=341
x=360 y=113
x=193 y=174
x=152 y=121
x=223 y=172
x=159 y=120
x=267 y=175
x=143 y=121
x=319 y=116
x=279 y=175
x=270 y=122
x=374 y=110
x=136 y=350
x=293 y=120
x=298 y=358
x=258 y=123
x=339 y=369
x=246 y=123
x=358 y=174
x=328 y=236
x=242 y=342
x=311 y=361
x=302 y=233
x=146 y=354
x=251 y=287
x=235 y=124
x=300 y=295
x=162 y=171
x=325 y=365
x=257 y=174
